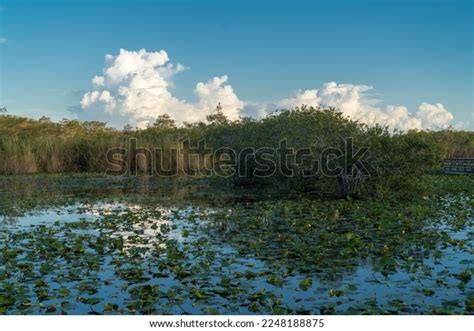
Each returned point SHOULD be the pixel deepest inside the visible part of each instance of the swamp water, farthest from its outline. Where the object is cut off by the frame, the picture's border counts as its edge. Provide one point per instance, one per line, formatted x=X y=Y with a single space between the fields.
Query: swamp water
x=133 y=246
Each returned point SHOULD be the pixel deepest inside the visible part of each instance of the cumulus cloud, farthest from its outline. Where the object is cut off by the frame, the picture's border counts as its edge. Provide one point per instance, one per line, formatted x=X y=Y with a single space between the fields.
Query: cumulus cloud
x=136 y=87
x=434 y=116
x=257 y=109
x=98 y=81
x=307 y=97
x=356 y=102
x=216 y=91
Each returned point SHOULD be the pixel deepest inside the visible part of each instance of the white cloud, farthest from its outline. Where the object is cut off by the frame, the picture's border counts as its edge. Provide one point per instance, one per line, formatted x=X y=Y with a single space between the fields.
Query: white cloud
x=257 y=109
x=3 y=40
x=434 y=116
x=355 y=102
x=399 y=117
x=308 y=97
x=214 y=91
x=98 y=81
x=129 y=64
x=135 y=87
x=104 y=98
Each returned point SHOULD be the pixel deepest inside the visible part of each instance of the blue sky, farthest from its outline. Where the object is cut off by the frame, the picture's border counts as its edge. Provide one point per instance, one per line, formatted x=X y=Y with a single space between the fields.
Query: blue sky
x=409 y=51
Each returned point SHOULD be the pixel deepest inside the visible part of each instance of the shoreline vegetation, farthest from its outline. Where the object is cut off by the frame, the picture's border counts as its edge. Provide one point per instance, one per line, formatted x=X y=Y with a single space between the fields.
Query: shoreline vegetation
x=76 y=240
x=394 y=162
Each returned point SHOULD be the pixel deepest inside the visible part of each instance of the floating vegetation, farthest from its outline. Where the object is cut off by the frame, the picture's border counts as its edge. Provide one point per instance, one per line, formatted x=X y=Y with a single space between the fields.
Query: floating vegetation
x=182 y=252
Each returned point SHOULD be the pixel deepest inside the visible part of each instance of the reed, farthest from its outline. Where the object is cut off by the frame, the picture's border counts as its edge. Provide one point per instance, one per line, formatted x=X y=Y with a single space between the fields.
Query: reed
x=30 y=146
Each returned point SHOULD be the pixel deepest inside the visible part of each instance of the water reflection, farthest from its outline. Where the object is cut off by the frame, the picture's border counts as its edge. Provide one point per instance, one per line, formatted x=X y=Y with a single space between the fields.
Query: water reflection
x=169 y=250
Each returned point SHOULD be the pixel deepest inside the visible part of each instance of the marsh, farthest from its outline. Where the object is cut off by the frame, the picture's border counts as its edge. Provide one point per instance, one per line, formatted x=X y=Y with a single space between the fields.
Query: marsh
x=85 y=244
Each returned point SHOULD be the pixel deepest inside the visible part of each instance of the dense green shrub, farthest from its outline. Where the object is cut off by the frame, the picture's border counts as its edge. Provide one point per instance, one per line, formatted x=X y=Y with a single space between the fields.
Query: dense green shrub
x=392 y=163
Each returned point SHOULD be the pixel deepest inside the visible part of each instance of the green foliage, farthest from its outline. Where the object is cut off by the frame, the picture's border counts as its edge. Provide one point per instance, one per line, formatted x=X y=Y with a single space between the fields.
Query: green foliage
x=396 y=162
x=218 y=118
x=164 y=122
x=399 y=162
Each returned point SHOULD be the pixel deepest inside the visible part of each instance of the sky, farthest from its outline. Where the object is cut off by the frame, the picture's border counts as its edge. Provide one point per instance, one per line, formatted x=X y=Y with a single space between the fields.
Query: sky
x=406 y=64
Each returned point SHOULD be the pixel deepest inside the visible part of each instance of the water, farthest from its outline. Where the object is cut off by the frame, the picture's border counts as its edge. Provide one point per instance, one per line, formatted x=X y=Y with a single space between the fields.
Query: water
x=117 y=255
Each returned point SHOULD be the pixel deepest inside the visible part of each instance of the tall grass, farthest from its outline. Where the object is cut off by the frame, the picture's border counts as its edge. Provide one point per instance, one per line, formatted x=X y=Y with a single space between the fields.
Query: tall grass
x=30 y=146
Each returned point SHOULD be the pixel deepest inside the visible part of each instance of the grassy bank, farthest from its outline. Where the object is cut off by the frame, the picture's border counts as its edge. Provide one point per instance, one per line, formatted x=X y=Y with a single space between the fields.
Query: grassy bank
x=394 y=161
